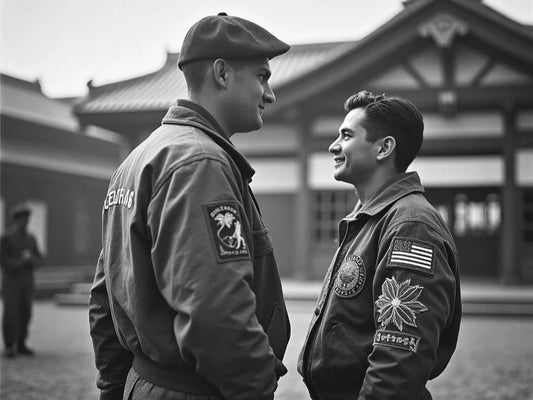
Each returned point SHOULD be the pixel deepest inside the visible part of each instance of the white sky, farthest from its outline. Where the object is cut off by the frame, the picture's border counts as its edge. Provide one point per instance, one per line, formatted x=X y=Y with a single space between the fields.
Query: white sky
x=65 y=43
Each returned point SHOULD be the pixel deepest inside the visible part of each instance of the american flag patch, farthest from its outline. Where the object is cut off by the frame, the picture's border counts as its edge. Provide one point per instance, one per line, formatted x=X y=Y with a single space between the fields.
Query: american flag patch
x=412 y=254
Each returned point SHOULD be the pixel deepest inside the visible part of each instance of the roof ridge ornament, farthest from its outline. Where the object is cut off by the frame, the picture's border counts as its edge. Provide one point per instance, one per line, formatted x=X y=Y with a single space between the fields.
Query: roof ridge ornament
x=443 y=28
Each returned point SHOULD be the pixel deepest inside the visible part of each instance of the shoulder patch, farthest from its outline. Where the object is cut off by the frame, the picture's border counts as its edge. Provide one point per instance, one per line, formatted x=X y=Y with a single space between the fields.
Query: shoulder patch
x=400 y=340
x=398 y=303
x=412 y=254
x=225 y=225
x=351 y=277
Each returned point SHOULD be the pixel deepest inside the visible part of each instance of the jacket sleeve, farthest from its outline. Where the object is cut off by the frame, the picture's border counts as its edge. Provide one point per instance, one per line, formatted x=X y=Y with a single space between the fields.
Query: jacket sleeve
x=112 y=360
x=11 y=261
x=414 y=293
x=8 y=260
x=190 y=217
x=36 y=256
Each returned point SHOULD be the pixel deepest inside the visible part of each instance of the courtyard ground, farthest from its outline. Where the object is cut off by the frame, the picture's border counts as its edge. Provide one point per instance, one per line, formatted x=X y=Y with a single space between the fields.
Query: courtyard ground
x=494 y=359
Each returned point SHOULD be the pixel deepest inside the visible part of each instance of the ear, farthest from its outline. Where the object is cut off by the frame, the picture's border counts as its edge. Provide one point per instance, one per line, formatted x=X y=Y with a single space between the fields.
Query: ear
x=220 y=72
x=386 y=148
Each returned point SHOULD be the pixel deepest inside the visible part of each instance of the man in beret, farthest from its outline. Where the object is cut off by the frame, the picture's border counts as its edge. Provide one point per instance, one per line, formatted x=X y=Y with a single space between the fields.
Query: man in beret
x=18 y=256
x=187 y=300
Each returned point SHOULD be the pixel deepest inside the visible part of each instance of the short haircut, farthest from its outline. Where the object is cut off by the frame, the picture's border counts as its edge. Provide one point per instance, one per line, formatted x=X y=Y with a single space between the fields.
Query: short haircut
x=194 y=73
x=391 y=116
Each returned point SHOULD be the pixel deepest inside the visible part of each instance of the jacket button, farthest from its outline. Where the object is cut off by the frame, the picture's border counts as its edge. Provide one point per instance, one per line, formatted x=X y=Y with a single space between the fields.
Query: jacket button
x=317 y=311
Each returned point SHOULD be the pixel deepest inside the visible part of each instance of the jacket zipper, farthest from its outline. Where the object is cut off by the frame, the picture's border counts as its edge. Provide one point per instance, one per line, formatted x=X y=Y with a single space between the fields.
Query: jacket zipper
x=308 y=351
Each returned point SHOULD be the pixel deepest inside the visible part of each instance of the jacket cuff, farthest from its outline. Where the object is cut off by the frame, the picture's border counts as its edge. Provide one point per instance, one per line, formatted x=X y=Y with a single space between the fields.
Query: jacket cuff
x=112 y=394
x=280 y=369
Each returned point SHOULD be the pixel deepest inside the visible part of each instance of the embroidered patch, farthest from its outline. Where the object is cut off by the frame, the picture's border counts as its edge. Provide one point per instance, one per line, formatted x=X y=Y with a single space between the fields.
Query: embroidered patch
x=351 y=277
x=225 y=224
x=398 y=304
x=400 y=340
x=412 y=254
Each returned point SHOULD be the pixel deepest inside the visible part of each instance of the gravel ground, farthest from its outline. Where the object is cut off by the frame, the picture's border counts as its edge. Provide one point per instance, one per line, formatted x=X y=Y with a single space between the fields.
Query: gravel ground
x=494 y=360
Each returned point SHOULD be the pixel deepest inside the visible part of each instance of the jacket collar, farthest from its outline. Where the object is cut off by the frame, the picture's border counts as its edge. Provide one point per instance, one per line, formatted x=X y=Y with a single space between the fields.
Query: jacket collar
x=189 y=113
x=398 y=187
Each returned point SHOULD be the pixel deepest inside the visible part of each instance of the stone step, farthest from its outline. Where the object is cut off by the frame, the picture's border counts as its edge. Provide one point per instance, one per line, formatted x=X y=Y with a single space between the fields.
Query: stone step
x=510 y=305
x=71 y=299
x=503 y=309
x=81 y=288
x=51 y=280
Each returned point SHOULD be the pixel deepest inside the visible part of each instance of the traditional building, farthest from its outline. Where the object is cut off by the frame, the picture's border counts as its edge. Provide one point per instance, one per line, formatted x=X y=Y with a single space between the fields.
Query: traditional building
x=61 y=170
x=467 y=67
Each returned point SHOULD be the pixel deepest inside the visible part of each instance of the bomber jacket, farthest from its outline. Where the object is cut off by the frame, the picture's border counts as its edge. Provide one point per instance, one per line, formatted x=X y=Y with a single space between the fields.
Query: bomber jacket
x=187 y=290
x=388 y=316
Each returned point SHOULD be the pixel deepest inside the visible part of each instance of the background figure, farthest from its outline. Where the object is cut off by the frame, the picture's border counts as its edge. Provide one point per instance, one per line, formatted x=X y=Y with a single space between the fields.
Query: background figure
x=19 y=255
x=187 y=299
x=388 y=317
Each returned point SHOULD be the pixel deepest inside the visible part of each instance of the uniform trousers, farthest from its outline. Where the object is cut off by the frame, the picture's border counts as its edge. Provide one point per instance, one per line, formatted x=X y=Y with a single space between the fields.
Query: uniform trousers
x=17 y=293
x=138 y=388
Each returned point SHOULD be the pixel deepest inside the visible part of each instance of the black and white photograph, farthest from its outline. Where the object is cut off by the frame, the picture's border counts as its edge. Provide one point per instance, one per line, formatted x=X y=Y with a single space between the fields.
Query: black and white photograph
x=282 y=200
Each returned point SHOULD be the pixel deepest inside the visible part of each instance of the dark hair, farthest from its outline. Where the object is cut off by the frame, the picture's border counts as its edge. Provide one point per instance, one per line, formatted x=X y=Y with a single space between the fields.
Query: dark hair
x=194 y=73
x=391 y=116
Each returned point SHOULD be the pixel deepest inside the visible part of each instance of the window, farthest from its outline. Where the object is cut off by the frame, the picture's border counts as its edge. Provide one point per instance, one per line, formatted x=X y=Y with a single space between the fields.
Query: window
x=329 y=207
x=477 y=218
x=81 y=226
x=528 y=215
x=2 y=213
x=38 y=224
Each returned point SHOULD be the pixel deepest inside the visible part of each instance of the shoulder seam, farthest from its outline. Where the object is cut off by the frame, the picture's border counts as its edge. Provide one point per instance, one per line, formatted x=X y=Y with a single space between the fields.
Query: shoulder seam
x=191 y=160
x=419 y=221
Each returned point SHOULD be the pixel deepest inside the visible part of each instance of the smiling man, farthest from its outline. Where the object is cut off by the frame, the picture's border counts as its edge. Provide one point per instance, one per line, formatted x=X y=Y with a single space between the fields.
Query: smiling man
x=187 y=300
x=388 y=316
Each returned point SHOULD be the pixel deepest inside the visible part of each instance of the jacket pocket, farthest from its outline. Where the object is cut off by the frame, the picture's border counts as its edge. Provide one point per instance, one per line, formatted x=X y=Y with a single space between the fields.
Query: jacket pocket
x=262 y=243
x=337 y=360
x=277 y=332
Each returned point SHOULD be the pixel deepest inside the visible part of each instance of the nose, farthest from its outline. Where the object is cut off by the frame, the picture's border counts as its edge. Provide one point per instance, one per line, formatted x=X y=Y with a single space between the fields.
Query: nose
x=268 y=95
x=334 y=147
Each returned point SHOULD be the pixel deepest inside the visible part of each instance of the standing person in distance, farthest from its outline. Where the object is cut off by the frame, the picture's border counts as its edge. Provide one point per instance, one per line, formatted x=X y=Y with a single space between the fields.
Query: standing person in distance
x=19 y=255
x=187 y=300
x=388 y=316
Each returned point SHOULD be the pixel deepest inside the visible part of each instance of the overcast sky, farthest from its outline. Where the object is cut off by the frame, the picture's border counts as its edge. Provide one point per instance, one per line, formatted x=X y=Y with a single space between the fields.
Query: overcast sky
x=65 y=43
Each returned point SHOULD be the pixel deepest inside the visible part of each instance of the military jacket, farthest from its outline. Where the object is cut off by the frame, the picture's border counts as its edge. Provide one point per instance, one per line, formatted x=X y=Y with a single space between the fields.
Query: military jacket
x=388 y=315
x=187 y=289
x=13 y=244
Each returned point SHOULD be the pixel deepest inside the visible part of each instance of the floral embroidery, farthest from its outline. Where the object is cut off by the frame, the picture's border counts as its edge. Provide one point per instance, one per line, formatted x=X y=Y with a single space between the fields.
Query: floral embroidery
x=398 y=304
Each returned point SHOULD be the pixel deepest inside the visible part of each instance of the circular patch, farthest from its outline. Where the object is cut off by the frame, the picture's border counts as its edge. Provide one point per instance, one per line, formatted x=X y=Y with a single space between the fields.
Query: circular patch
x=351 y=277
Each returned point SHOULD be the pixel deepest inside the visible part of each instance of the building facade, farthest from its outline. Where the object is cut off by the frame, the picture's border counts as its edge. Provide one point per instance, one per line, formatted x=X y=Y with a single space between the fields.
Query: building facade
x=61 y=170
x=467 y=67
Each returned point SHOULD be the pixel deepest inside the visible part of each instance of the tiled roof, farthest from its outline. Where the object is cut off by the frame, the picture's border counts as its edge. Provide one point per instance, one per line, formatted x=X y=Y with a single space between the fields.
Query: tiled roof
x=159 y=90
x=24 y=100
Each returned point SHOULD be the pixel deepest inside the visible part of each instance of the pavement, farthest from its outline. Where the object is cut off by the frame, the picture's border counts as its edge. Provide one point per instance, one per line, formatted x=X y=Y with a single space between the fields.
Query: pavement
x=487 y=298
x=492 y=360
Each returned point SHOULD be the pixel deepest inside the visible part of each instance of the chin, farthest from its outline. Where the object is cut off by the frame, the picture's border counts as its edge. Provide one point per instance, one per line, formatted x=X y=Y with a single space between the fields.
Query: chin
x=248 y=128
x=257 y=125
x=339 y=177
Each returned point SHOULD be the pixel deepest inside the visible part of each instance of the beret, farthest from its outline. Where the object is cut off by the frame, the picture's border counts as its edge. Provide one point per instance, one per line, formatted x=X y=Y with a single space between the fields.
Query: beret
x=224 y=36
x=20 y=209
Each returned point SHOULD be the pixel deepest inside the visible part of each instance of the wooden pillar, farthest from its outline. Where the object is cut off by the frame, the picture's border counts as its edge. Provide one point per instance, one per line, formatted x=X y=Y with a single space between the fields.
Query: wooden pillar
x=302 y=218
x=510 y=237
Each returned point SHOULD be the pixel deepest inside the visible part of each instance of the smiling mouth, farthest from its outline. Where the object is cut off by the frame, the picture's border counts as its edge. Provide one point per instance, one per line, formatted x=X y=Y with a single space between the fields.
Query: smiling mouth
x=338 y=160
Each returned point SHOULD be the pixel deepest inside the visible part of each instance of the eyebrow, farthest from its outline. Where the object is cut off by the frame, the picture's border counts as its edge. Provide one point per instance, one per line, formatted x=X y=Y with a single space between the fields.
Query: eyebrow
x=266 y=71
